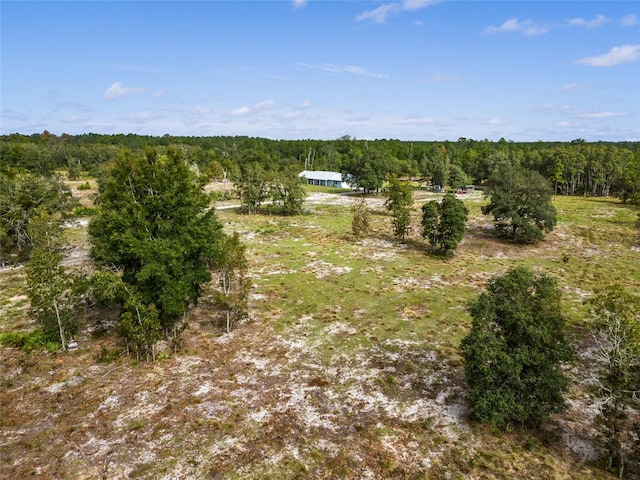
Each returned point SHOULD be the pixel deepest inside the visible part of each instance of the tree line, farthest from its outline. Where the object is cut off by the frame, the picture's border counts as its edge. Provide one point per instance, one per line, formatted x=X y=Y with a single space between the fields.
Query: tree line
x=573 y=168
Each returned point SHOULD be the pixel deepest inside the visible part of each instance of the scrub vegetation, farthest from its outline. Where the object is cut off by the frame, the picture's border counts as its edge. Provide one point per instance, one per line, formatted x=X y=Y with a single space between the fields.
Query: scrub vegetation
x=320 y=350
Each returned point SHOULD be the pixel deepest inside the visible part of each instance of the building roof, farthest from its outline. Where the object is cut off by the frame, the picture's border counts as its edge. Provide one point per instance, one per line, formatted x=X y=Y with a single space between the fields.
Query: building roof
x=321 y=175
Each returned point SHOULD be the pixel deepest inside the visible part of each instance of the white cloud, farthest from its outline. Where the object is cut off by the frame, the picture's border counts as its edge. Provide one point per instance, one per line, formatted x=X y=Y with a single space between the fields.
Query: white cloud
x=545 y=107
x=326 y=67
x=527 y=27
x=199 y=110
x=629 y=20
x=380 y=14
x=118 y=90
x=239 y=112
x=572 y=87
x=416 y=121
x=264 y=105
x=497 y=121
x=306 y=104
x=246 y=109
x=598 y=21
x=299 y=3
x=566 y=124
x=417 y=4
x=354 y=69
x=600 y=115
x=617 y=55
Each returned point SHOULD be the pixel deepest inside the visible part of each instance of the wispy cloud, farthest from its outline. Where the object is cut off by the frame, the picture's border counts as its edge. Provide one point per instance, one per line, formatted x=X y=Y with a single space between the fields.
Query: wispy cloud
x=629 y=20
x=572 y=87
x=440 y=77
x=118 y=90
x=353 y=69
x=526 y=27
x=380 y=14
x=264 y=105
x=246 y=109
x=299 y=3
x=601 y=115
x=566 y=124
x=356 y=70
x=617 y=55
x=198 y=110
x=239 y=112
x=497 y=121
x=598 y=21
x=416 y=121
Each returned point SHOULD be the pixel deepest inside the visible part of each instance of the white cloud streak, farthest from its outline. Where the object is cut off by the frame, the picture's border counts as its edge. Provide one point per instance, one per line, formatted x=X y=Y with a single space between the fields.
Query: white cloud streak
x=598 y=21
x=117 y=90
x=299 y=3
x=601 y=115
x=572 y=87
x=353 y=69
x=526 y=27
x=246 y=109
x=380 y=14
x=416 y=121
x=440 y=77
x=617 y=55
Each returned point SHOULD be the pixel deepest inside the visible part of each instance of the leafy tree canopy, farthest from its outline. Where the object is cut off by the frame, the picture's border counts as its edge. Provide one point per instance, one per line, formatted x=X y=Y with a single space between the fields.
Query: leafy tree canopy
x=443 y=223
x=155 y=226
x=22 y=194
x=514 y=351
x=520 y=202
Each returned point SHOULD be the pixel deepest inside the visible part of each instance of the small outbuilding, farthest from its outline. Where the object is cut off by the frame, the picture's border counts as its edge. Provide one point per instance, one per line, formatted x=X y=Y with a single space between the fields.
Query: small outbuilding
x=324 y=179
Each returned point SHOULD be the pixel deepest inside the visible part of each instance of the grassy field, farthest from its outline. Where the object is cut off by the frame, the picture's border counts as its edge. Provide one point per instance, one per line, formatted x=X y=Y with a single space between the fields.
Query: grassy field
x=348 y=368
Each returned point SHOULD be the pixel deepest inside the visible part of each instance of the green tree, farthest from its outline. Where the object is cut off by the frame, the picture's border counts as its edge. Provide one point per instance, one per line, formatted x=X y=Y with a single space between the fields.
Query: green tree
x=231 y=263
x=52 y=291
x=156 y=227
x=514 y=351
x=21 y=195
x=520 y=202
x=616 y=332
x=443 y=224
x=360 y=221
x=457 y=177
x=253 y=184
x=399 y=203
x=287 y=191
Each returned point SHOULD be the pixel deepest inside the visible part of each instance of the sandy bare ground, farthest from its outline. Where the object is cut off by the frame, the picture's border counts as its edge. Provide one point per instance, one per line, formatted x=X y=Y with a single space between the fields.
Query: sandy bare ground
x=263 y=402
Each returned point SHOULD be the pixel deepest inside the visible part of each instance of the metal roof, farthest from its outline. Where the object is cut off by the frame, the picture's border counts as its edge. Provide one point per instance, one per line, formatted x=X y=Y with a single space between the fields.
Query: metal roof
x=321 y=175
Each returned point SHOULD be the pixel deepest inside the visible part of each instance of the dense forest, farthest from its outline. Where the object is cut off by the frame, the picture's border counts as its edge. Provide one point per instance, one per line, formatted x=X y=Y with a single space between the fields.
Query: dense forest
x=574 y=168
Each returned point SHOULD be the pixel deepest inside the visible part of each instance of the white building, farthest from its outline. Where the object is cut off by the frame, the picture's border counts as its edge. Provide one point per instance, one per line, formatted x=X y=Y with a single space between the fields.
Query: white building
x=325 y=179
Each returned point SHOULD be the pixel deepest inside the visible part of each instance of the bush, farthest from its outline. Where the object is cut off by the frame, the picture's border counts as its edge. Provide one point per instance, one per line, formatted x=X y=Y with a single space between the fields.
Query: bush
x=86 y=211
x=84 y=186
x=28 y=341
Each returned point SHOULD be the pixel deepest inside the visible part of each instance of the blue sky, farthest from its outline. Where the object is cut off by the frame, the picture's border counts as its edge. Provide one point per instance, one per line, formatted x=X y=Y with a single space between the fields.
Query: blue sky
x=411 y=70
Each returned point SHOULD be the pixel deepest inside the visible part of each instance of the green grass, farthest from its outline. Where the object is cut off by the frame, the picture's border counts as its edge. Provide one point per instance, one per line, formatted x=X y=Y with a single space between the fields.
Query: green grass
x=383 y=290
